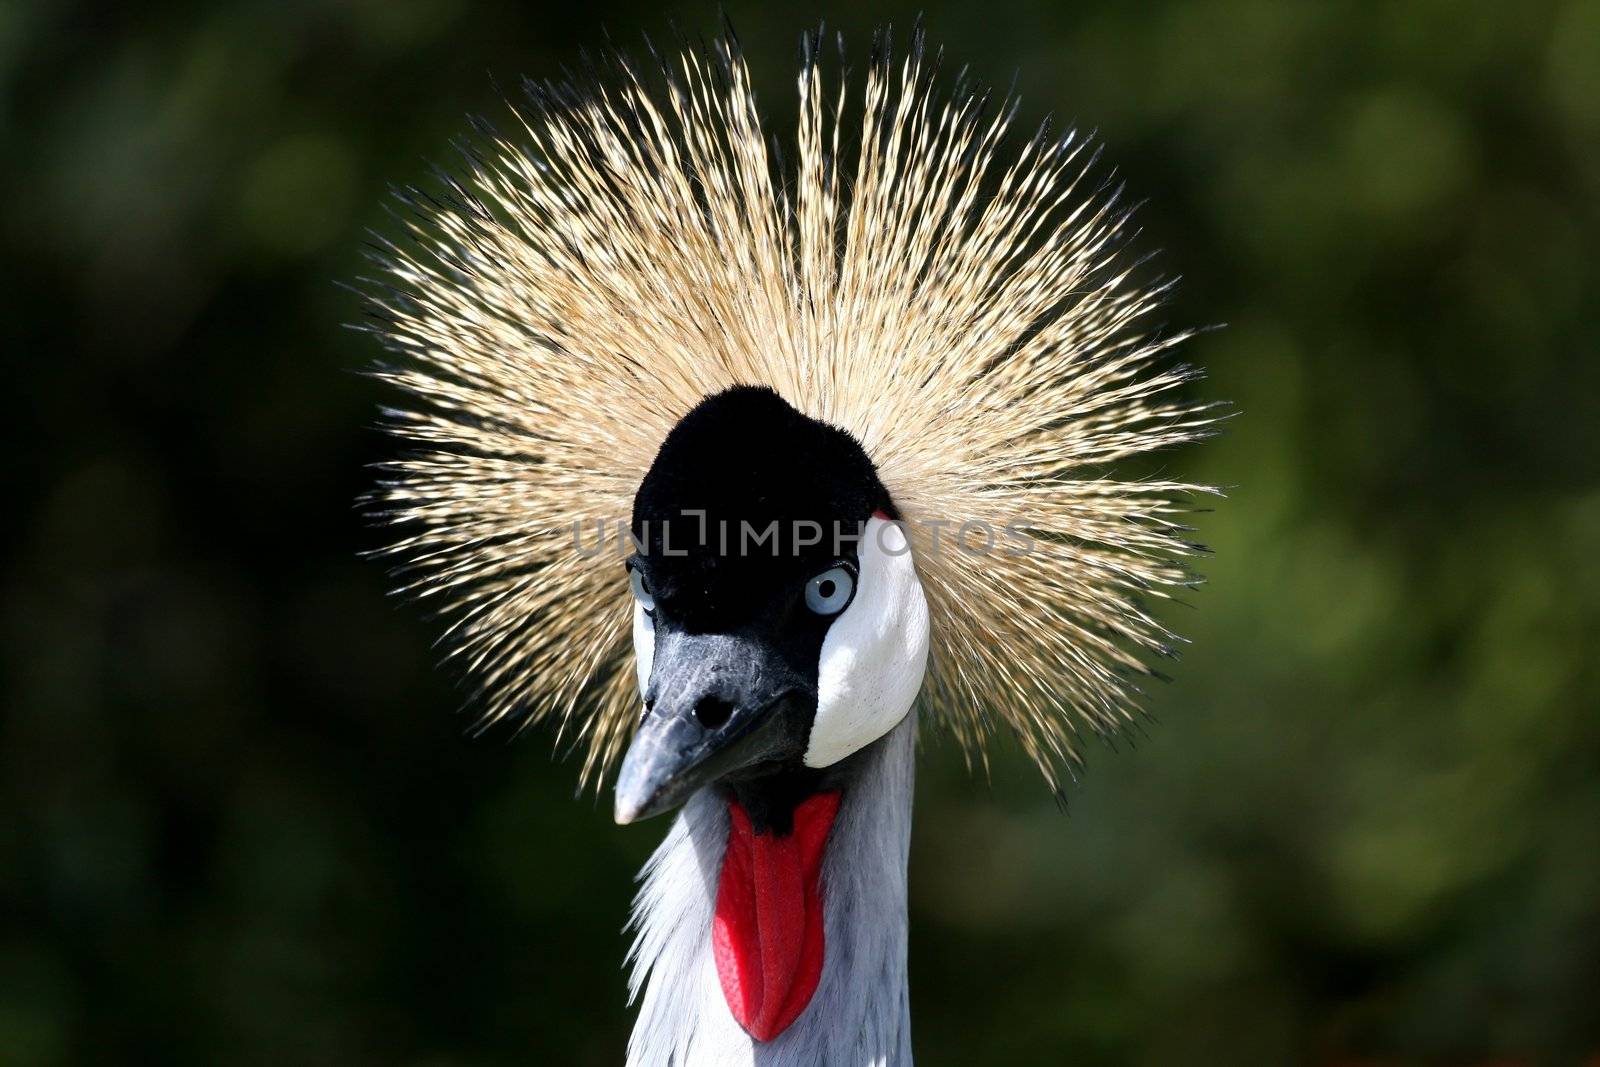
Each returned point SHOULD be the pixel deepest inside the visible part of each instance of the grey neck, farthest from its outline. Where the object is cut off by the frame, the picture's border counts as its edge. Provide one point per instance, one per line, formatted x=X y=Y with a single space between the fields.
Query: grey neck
x=860 y=1015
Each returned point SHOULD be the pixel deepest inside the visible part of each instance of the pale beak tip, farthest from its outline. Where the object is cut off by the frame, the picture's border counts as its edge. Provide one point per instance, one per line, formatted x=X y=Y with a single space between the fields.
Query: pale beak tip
x=625 y=812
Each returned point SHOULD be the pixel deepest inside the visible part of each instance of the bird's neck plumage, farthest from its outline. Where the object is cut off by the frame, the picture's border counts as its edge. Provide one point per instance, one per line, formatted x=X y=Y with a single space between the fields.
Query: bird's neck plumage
x=859 y=1015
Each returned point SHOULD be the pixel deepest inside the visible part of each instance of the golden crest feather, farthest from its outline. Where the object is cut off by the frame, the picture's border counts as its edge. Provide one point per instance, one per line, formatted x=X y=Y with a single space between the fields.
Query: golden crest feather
x=960 y=309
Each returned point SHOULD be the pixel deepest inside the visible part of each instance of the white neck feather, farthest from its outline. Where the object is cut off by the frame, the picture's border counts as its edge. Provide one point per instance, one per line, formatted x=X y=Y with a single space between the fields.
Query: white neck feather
x=860 y=1014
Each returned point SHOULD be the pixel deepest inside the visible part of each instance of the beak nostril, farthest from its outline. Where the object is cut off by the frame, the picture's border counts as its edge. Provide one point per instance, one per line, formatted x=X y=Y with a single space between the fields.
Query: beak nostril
x=713 y=712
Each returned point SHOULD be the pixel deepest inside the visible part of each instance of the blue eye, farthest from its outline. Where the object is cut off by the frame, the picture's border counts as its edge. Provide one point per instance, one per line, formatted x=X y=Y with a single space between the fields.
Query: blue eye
x=641 y=590
x=829 y=592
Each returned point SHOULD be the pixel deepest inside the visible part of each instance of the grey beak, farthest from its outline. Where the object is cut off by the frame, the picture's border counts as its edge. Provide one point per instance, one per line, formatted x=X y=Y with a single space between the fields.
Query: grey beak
x=717 y=704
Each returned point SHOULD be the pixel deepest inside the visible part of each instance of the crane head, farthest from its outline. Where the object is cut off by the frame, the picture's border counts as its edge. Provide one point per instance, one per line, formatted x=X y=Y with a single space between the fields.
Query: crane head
x=778 y=621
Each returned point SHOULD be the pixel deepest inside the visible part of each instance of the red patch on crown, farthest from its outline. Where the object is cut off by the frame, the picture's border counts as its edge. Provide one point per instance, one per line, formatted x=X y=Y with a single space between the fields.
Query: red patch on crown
x=767 y=934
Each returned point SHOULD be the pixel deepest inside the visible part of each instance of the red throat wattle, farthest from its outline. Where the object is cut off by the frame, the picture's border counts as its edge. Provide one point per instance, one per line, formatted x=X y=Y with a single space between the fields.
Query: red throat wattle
x=767 y=935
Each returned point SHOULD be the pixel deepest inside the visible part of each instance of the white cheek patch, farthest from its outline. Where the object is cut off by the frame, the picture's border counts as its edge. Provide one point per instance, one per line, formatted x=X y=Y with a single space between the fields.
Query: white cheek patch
x=875 y=653
x=644 y=646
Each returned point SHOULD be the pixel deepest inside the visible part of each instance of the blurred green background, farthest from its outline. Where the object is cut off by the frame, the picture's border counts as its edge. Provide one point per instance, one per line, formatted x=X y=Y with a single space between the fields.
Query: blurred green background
x=240 y=822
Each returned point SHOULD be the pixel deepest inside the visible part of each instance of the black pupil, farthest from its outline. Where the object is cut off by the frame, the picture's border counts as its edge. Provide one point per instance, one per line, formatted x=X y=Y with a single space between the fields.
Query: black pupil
x=826 y=588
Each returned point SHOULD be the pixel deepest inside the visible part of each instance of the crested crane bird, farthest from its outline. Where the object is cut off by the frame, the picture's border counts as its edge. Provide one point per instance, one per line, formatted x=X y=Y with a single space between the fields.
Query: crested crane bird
x=853 y=423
